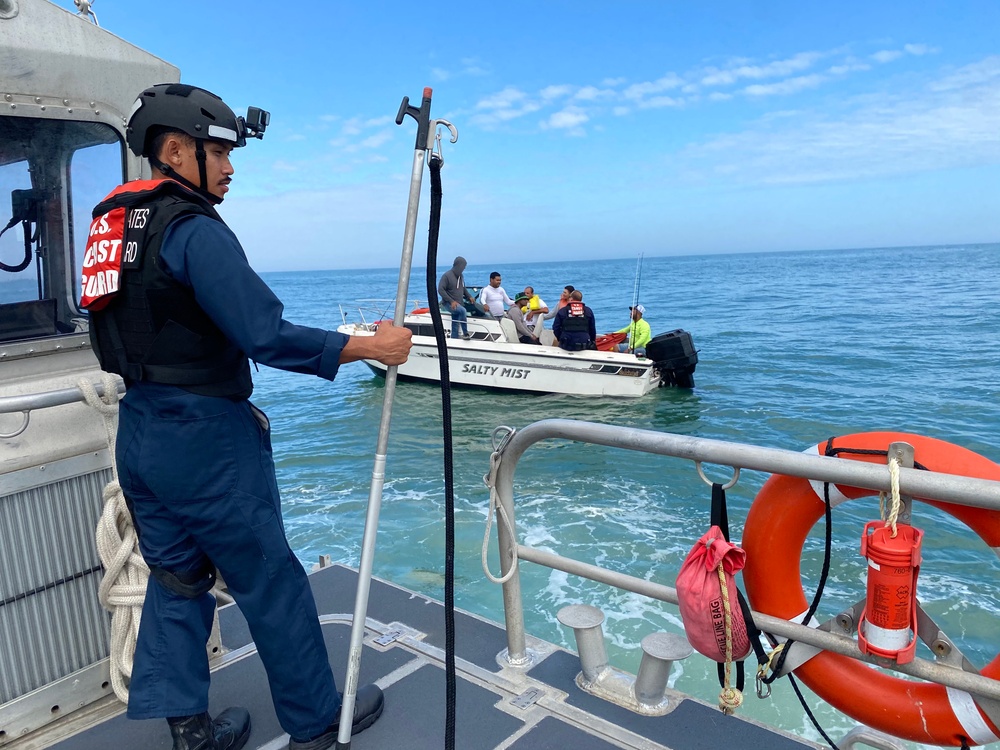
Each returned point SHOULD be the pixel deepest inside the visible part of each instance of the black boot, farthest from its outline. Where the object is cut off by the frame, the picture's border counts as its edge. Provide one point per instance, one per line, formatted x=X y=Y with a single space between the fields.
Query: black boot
x=229 y=731
x=368 y=705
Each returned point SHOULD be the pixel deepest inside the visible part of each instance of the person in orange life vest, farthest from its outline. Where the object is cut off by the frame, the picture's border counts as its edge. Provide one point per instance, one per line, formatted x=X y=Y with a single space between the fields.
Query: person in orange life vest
x=563 y=301
x=574 y=325
x=193 y=454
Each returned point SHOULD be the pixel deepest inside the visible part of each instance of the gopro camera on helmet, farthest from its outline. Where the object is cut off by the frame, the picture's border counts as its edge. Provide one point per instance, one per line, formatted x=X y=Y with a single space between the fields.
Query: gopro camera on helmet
x=255 y=123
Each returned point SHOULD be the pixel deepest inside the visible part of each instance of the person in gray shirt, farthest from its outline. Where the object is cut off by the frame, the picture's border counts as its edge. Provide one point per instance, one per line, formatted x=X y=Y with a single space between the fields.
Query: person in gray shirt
x=453 y=296
x=516 y=313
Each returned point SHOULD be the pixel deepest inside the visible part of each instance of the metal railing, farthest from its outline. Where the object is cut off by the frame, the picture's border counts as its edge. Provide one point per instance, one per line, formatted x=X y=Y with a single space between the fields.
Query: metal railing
x=950 y=488
x=32 y=401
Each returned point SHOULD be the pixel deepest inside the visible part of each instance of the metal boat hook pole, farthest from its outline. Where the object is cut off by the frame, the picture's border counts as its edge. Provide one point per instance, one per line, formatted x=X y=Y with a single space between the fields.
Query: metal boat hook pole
x=426 y=129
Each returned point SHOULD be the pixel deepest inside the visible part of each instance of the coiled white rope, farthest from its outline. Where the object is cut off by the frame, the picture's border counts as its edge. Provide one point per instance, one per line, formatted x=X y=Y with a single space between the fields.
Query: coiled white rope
x=123 y=587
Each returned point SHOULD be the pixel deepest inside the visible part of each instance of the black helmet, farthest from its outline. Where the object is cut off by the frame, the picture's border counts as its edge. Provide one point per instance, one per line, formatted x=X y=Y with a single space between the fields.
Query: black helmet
x=189 y=109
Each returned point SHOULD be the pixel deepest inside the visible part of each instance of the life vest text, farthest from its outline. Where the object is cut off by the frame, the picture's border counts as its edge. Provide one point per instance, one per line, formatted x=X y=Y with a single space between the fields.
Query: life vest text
x=102 y=260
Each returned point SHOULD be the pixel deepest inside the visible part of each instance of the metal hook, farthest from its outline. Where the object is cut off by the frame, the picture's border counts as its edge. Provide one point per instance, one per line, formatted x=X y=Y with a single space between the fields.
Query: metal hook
x=19 y=430
x=500 y=440
x=434 y=137
x=731 y=483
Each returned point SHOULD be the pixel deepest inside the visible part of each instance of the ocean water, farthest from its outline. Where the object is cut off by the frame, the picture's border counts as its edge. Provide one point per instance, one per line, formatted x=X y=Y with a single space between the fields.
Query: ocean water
x=793 y=347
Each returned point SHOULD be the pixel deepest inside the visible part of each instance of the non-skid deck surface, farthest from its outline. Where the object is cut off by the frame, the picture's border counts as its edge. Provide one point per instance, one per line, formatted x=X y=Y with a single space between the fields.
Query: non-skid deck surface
x=690 y=726
x=414 y=684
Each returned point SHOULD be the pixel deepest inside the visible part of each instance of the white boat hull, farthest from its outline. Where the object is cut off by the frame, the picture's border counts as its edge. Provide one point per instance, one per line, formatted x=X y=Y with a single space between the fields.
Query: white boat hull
x=490 y=361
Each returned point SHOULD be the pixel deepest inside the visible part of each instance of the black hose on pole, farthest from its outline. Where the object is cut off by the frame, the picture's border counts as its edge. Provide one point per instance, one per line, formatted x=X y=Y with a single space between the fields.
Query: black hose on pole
x=434 y=166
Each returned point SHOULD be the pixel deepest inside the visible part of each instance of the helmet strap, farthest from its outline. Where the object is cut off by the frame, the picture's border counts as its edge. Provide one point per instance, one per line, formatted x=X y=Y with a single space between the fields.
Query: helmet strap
x=200 y=155
x=169 y=171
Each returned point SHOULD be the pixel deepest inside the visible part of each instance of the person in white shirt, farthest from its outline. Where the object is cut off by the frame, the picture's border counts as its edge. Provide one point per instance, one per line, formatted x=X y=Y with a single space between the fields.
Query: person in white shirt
x=493 y=297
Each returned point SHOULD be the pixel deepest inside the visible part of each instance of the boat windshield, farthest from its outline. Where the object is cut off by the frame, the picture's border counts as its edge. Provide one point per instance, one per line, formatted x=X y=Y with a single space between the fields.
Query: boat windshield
x=55 y=172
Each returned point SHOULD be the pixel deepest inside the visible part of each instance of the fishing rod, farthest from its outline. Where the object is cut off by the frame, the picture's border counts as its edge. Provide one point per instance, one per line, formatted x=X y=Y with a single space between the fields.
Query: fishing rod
x=426 y=128
x=635 y=302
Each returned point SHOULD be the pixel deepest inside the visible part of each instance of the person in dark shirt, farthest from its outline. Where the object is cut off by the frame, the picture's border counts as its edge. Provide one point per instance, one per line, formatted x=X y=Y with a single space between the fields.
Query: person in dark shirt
x=574 y=325
x=193 y=453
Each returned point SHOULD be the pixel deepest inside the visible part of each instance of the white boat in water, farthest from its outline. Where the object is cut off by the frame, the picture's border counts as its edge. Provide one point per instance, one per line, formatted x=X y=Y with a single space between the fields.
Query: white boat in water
x=494 y=359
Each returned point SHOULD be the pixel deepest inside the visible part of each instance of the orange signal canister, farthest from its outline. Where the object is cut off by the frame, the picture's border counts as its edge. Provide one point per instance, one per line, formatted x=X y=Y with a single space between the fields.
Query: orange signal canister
x=888 y=626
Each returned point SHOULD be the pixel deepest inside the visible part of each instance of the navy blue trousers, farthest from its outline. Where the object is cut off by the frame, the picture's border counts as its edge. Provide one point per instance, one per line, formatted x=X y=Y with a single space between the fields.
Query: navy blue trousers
x=199 y=475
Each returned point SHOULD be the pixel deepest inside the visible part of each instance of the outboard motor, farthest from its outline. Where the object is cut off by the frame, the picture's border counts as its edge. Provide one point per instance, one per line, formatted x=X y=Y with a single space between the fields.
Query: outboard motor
x=675 y=357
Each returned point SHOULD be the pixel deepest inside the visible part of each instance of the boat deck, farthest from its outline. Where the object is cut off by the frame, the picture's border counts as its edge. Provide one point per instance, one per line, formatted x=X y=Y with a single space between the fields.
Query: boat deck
x=404 y=653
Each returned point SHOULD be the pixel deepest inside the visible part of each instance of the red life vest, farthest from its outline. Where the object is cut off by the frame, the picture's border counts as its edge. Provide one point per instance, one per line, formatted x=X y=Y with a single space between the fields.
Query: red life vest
x=144 y=325
x=102 y=261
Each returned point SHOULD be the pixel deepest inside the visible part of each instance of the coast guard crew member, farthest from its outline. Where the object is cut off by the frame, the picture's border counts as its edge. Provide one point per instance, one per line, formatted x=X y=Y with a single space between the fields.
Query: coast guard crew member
x=574 y=325
x=176 y=313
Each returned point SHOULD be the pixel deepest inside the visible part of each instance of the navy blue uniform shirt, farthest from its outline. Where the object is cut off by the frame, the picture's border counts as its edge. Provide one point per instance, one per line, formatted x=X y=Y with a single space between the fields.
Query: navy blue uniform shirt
x=205 y=255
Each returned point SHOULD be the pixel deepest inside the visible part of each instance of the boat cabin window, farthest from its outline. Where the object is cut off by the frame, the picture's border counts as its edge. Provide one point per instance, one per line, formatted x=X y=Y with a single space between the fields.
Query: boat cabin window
x=52 y=174
x=421 y=329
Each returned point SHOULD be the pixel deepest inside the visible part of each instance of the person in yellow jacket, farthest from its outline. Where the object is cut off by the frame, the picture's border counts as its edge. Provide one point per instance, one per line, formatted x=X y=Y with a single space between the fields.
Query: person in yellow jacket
x=536 y=311
x=639 y=333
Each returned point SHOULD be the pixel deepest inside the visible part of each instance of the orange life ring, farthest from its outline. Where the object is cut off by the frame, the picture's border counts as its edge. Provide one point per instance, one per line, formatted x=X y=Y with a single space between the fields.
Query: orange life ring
x=781 y=516
x=420 y=310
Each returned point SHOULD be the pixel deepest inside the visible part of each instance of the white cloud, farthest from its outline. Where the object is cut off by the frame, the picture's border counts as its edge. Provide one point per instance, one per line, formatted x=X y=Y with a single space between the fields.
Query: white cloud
x=783 y=88
x=374 y=141
x=642 y=90
x=505 y=105
x=440 y=74
x=555 y=92
x=716 y=77
x=849 y=66
x=950 y=123
x=352 y=126
x=774 y=69
x=886 y=55
x=983 y=73
x=502 y=99
x=919 y=49
x=592 y=93
x=658 y=102
x=571 y=117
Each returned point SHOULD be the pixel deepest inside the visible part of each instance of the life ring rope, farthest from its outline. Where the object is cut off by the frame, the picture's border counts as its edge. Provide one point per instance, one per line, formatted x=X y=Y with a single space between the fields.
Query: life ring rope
x=780 y=518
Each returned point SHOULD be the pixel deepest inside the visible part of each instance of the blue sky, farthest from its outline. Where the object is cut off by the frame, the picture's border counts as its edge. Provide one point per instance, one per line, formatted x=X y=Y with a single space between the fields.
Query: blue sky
x=599 y=129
